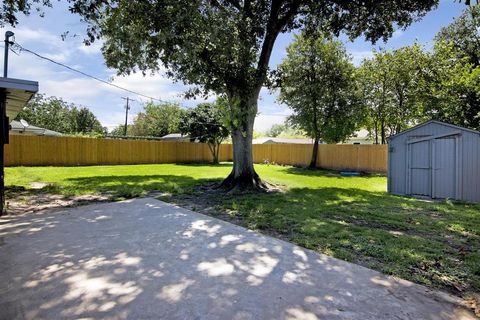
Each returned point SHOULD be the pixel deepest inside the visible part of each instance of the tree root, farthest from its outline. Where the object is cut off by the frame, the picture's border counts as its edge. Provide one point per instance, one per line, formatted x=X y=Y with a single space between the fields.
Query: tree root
x=246 y=183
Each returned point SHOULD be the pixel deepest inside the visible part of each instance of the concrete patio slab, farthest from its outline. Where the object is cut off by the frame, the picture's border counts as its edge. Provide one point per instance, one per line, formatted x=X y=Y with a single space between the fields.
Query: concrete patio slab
x=145 y=259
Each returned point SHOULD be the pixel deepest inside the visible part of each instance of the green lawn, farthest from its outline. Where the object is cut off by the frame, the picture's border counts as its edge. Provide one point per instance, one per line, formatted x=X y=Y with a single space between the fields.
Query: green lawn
x=432 y=243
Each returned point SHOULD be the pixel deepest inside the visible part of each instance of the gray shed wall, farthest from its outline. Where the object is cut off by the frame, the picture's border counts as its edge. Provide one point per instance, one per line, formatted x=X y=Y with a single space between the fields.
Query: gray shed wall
x=467 y=161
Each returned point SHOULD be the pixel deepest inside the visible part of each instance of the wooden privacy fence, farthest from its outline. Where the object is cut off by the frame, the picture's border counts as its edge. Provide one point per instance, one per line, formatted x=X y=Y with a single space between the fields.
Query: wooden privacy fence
x=71 y=151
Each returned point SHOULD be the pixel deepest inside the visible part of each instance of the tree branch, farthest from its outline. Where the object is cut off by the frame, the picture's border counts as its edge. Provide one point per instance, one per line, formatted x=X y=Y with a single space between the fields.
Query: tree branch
x=274 y=26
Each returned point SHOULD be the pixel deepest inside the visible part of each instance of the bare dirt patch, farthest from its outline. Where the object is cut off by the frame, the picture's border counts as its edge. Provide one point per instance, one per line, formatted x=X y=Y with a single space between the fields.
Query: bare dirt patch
x=27 y=201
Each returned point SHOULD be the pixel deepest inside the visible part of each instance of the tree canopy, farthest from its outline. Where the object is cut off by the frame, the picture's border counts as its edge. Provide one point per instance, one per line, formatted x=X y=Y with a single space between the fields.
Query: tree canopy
x=390 y=87
x=58 y=115
x=156 y=120
x=450 y=90
x=464 y=35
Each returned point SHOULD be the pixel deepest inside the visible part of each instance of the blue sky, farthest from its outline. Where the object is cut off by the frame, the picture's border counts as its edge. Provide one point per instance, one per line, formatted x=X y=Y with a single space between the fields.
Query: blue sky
x=43 y=36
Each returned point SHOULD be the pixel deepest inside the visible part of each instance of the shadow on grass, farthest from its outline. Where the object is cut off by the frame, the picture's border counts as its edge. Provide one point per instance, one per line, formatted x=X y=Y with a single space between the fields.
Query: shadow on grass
x=327 y=173
x=203 y=164
x=134 y=185
x=436 y=244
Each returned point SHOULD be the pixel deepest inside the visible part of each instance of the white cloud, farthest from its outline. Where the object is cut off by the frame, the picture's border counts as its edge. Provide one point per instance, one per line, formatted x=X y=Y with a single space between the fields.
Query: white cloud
x=74 y=89
x=25 y=34
x=156 y=86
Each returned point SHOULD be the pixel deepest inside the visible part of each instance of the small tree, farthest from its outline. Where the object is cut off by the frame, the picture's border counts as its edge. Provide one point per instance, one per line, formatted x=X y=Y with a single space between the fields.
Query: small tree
x=204 y=124
x=317 y=82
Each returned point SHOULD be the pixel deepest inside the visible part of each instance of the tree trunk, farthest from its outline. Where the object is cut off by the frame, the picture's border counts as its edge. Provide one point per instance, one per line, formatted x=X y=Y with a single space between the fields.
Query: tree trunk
x=383 y=131
x=243 y=176
x=213 y=149
x=217 y=151
x=313 y=162
x=211 y=146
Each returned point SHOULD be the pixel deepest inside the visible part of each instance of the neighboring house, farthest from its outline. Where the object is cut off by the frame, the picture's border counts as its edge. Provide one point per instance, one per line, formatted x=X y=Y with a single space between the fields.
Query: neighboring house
x=360 y=137
x=177 y=137
x=16 y=127
x=269 y=140
x=436 y=160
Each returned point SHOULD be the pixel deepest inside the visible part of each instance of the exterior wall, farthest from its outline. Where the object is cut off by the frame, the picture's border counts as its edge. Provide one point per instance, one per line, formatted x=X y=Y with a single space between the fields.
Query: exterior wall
x=468 y=159
x=470 y=167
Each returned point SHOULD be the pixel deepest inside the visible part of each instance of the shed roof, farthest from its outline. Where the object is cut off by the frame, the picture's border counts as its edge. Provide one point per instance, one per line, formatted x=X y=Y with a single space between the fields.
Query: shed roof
x=433 y=121
x=19 y=92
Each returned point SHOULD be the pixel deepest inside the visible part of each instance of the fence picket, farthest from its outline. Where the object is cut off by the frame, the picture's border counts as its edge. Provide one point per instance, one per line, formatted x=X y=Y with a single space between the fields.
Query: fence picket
x=25 y=150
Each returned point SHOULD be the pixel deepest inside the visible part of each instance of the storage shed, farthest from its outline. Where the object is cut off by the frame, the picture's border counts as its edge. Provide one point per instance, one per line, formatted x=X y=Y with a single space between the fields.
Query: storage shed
x=436 y=160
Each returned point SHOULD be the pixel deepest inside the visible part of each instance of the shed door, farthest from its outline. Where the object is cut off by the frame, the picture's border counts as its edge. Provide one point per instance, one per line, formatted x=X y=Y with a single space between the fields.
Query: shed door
x=444 y=167
x=420 y=172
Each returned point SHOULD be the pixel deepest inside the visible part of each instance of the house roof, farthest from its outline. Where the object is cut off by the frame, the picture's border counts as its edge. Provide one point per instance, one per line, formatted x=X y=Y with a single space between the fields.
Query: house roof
x=174 y=136
x=19 y=92
x=17 y=126
x=281 y=140
x=433 y=121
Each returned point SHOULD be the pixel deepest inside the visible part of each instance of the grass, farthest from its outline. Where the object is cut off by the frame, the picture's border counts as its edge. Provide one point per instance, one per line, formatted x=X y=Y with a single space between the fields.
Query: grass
x=431 y=243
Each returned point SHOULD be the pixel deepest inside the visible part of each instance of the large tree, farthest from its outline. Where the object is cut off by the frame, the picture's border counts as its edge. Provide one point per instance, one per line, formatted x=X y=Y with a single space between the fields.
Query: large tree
x=390 y=85
x=450 y=90
x=464 y=35
x=453 y=85
x=222 y=46
x=317 y=81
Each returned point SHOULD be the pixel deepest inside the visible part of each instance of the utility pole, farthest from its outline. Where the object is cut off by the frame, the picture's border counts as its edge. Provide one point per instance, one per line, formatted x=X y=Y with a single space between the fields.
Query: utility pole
x=127 y=107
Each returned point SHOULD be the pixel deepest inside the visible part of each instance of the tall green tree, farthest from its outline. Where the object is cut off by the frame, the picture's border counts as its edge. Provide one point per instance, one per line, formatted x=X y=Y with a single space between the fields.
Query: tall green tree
x=222 y=46
x=58 y=115
x=451 y=88
x=464 y=35
x=375 y=82
x=317 y=82
x=390 y=86
x=157 y=120
x=204 y=123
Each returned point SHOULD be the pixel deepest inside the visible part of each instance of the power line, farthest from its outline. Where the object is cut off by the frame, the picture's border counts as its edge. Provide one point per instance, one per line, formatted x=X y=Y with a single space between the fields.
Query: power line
x=21 y=48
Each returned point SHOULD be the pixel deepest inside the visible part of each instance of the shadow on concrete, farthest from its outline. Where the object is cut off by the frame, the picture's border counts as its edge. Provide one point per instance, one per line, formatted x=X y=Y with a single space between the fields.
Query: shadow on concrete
x=144 y=259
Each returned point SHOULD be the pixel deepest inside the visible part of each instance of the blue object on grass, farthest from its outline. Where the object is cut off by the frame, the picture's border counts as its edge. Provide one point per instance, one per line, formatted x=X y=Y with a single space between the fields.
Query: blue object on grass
x=350 y=173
